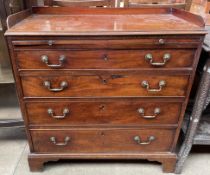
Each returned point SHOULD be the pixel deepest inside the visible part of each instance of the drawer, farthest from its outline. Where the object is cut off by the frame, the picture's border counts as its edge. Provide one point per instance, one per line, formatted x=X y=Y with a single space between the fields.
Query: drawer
x=115 y=112
x=108 y=42
x=105 y=59
x=106 y=85
x=102 y=140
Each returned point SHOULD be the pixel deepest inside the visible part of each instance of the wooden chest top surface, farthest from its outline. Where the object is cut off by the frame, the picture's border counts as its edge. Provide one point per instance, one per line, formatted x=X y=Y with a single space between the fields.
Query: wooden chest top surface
x=74 y=21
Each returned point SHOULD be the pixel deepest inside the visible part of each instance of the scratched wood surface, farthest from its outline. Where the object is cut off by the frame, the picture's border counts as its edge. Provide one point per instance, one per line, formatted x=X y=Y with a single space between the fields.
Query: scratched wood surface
x=103 y=21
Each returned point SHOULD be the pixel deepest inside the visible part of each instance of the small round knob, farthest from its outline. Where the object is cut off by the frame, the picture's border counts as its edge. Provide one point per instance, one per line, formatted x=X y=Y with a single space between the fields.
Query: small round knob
x=141 y=111
x=144 y=83
x=148 y=56
x=50 y=111
x=157 y=111
x=136 y=138
x=64 y=84
x=50 y=42
x=161 y=41
x=66 y=111
x=151 y=138
x=62 y=58
x=46 y=83
x=162 y=83
x=44 y=58
x=167 y=56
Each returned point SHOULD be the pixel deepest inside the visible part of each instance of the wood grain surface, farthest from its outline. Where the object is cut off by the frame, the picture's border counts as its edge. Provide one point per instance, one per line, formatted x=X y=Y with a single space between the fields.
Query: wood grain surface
x=113 y=113
x=102 y=140
x=105 y=59
x=104 y=85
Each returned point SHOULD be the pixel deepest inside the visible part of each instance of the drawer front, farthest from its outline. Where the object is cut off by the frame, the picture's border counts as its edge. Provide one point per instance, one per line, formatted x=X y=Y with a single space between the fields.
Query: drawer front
x=117 y=59
x=114 y=85
x=121 y=112
x=109 y=43
x=102 y=140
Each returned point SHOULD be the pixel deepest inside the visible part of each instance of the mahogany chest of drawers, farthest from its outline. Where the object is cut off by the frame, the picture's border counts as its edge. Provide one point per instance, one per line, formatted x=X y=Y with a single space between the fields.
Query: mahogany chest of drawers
x=104 y=83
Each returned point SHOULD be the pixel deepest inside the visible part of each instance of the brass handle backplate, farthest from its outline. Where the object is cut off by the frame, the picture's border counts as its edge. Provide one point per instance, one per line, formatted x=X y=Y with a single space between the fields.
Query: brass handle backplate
x=166 y=58
x=63 y=85
x=142 y=113
x=66 y=141
x=145 y=84
x=138 y=140
x=51 y=113
x=61 y=61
